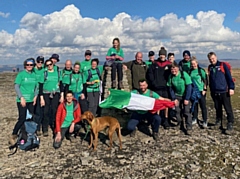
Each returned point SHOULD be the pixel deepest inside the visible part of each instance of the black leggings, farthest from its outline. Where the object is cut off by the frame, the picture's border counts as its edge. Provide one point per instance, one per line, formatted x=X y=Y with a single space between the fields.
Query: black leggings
x=116 y=67
x=202 y=104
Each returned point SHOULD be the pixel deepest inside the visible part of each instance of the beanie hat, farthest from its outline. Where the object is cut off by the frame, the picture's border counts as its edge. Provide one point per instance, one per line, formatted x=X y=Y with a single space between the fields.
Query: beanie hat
x=88 y=52
x=151 y=53
x=162 y=51
x=186 y=52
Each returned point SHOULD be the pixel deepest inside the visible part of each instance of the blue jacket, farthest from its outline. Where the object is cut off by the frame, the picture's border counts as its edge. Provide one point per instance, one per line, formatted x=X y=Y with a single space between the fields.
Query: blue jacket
x=220 y=82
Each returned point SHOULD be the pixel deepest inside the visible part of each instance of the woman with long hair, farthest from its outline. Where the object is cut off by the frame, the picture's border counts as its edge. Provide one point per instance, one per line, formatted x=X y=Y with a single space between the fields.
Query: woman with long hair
x=114 y=59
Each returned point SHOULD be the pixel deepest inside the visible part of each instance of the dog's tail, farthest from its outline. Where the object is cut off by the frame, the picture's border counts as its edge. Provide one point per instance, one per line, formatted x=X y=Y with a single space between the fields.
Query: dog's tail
x=119 y=136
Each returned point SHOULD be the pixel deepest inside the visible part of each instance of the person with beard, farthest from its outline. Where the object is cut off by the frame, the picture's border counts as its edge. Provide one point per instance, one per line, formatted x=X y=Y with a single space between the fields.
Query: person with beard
x=157 y=76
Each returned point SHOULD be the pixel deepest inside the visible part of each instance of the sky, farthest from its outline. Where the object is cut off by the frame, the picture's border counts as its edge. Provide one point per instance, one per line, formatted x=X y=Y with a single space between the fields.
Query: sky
x=69 y=27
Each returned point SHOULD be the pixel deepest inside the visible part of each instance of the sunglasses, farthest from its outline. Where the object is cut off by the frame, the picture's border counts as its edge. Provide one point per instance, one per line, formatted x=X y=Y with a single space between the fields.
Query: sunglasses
x=29 y=65
x=39 y=61
x=50 y=64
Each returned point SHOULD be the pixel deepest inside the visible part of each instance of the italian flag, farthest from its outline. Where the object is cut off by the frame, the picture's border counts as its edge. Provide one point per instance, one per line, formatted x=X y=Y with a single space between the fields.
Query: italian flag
x=123 y=99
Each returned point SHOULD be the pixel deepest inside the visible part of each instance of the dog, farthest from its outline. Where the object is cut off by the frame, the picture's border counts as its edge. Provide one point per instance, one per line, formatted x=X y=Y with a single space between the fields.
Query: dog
x=99 y=123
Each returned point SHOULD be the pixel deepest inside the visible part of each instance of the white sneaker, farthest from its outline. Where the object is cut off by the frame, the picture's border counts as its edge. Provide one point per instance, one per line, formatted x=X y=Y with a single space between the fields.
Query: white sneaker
x=194 y=121
x=205 y=125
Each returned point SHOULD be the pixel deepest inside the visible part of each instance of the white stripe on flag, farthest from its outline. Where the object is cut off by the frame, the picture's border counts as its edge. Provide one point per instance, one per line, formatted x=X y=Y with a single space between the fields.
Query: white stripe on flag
x=140 y=102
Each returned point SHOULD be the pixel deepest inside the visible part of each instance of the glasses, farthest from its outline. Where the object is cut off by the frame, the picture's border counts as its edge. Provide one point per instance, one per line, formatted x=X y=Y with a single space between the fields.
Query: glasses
x=39 y=61
x=49 y=64
x=29 y=65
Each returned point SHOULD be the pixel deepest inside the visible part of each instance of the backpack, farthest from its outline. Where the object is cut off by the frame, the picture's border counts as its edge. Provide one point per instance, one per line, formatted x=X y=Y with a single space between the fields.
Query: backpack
x=195 y=93
x=200 y=74
x=223 y=70
x=90 y=74
x=46 y=74
x=27 y=138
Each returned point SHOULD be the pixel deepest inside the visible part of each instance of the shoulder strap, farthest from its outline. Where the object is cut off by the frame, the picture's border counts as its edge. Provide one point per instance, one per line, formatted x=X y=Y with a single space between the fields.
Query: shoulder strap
x=99 y=74
x=151 y=93
x=222 y=67
x=45 y=75
x=59 y=73
x=70 y=76
x=89 y=75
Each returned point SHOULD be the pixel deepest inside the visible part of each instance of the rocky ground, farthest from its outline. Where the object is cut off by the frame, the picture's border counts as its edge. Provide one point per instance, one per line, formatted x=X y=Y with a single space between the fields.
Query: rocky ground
x=208 y=153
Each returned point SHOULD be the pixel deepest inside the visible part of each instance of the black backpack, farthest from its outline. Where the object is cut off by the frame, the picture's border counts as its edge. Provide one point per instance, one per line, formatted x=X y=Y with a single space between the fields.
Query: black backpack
x=27 y=138
x=90 y=74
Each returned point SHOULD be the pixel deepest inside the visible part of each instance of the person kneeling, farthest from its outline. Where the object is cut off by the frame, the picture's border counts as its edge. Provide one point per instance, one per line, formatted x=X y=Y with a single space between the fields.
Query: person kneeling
x=138 y=116
x=67 y=119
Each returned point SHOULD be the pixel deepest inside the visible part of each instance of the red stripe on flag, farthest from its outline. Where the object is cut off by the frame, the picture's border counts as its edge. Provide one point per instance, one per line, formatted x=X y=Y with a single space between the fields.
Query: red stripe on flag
x=162 y=104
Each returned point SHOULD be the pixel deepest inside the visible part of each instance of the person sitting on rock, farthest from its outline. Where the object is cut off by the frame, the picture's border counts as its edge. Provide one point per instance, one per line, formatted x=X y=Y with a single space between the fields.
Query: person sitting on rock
x=138 y=116
x=115 y=57
x=67 y=119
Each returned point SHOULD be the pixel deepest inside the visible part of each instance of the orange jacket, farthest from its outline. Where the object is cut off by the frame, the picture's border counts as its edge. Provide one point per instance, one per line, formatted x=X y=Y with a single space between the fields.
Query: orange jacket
x=62 y=112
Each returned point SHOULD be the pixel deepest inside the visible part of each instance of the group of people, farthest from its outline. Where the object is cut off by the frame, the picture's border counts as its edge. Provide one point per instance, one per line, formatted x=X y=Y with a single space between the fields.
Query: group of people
x=57 y=98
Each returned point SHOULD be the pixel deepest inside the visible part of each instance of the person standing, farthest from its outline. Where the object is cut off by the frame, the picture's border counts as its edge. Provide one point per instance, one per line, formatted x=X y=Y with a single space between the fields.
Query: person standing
x=115 y=57
x=151 y=58
x=180 y=88
x=171 y=57
x=86 y=64
x=157 y=76
x=50 y=90
x=66 y=75
x=185 y=64
x=222 y=88
x=199 y=77
x=93 y=82
x=138 y=69
x=26 y=89
x=38 y=109
x=77 y=87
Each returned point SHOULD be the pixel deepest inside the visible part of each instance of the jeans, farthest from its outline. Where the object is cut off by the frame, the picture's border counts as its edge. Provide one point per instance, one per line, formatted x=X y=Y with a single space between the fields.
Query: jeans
x=22 y=112
x=223 y=99
x=50 y=109
x=93 y=100
x=153 y=119
x=117 y=67
x=202 y=104
x=65 y=132
x=185 y=111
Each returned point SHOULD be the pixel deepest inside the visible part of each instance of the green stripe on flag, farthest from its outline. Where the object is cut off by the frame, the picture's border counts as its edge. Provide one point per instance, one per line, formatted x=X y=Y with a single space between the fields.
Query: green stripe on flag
x=117 y=99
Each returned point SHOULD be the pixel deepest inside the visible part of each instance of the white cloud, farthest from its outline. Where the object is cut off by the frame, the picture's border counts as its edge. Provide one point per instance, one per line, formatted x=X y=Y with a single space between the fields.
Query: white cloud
x=238 y=18
x=4 y=15
x=68 y=33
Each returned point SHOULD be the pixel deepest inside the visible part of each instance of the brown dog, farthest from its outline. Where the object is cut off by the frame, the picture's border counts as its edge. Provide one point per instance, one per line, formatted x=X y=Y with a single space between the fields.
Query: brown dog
x=99 y=123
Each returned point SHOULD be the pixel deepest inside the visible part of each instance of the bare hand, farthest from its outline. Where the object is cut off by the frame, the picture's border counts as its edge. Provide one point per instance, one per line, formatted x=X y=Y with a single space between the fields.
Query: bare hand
x=23 y=102
x=82 y=96
x=42 y=102
x=231 y=92
x=34 y=100
x=186 y=102
x=203 y=93
x=71 y=129
x=58 y=137
x=61 y=99
x=176 y=102
x=124 y=67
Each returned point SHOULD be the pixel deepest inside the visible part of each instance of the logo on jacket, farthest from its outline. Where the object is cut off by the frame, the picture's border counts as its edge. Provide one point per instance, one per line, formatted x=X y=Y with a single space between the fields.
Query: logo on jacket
x=166 y=68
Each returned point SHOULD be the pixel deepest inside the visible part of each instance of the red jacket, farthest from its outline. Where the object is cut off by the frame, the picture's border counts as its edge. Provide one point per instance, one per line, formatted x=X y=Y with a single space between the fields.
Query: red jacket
x=62 y=112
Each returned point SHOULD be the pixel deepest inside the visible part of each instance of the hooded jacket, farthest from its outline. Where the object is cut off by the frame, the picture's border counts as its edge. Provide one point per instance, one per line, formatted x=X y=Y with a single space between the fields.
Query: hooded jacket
x=62 y=112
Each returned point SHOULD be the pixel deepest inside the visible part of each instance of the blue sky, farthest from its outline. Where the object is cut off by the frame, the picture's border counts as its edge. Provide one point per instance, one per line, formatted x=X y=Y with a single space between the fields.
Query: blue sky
x=12 y=12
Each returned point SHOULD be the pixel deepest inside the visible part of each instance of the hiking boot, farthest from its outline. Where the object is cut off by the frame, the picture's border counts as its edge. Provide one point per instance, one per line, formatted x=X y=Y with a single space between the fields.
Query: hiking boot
x=114 y=84
x=155 y=136
x=229 y=129
x=120 y=85
x=189 y=132
x=166 y=124
x=217 y=124
x=194 y=121
x=205 y=125
x=12 y=139
x=133 y=133
x=39 y=133
x=45 y=134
